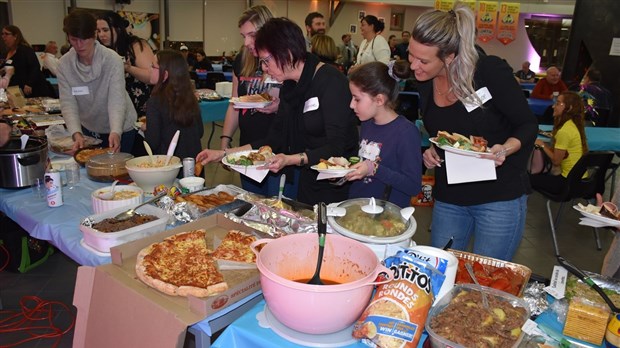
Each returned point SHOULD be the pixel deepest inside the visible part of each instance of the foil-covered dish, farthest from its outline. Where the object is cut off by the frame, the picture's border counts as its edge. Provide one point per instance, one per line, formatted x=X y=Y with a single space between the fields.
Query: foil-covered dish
x=192 y=206
x=274 y=217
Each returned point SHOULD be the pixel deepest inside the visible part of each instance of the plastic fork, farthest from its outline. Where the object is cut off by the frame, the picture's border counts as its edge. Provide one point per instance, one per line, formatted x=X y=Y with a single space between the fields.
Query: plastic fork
x=340 y=182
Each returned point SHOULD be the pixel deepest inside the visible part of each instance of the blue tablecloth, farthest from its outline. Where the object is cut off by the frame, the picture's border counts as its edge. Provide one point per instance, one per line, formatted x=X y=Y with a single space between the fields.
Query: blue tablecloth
x=246 y=332
x=213 y=111
x=538 y=106
x=529 y=86
x=57 y=225
x=599 y=138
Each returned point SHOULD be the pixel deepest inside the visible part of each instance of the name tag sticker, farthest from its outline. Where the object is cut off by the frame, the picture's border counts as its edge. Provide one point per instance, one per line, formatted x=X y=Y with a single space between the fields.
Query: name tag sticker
x=311 y=104
x=484 y=95
x=83 y=90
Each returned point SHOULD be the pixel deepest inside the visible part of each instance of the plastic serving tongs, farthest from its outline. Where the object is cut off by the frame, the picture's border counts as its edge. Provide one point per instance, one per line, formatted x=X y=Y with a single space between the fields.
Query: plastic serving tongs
x=581 y=275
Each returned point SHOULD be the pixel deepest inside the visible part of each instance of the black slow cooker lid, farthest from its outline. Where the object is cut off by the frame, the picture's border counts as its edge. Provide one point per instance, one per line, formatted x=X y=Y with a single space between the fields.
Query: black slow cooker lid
x=15 y=144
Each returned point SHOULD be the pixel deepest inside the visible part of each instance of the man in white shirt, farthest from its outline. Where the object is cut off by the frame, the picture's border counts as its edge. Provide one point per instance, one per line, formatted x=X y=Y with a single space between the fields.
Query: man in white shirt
x=49 y=59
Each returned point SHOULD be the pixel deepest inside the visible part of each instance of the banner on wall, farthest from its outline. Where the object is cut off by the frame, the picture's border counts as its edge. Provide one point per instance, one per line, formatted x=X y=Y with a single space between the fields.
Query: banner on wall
x=471 y=4
x=444 y=5
x=486 y=20
x=507 y=22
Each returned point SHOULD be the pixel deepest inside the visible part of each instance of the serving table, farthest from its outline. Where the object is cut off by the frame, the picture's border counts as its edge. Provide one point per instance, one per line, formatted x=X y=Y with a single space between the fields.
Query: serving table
x=598 y=138
x=59 y=226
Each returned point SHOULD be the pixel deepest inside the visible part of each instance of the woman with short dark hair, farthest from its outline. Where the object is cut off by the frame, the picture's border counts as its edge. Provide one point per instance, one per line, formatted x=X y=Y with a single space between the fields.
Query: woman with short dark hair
x=314 y=120
x=91 y=82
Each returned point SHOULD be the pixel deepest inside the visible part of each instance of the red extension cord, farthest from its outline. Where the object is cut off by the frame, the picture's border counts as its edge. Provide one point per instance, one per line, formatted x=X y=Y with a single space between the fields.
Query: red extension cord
x=35 y=320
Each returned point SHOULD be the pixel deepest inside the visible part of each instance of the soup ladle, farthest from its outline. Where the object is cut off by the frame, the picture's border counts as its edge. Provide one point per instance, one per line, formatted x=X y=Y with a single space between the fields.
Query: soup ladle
x=322 y=229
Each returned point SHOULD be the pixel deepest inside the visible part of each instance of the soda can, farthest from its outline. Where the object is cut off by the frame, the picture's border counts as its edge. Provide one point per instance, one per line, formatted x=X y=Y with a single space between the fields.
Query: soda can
x=53 y=184
x=188 y=167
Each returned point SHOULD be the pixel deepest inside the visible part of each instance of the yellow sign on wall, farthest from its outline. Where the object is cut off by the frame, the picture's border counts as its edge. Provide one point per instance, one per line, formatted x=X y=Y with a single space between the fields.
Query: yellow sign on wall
x=486 y=20
x=444 y=5
x=507 y=22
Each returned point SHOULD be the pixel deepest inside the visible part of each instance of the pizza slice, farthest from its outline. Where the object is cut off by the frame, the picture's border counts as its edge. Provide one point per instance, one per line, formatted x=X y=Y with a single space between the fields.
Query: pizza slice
x=236 y=247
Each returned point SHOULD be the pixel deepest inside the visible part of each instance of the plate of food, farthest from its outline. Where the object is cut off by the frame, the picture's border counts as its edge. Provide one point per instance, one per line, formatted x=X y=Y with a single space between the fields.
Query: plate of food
x=82 y=155
x=546 y=134
x=457 y=143
x=253 y=101
x=249 y=158
x=334 y=165
x=607 y=213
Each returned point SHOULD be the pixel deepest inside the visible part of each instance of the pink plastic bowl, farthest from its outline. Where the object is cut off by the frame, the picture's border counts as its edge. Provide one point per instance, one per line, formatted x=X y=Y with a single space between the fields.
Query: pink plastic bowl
x=317 y=309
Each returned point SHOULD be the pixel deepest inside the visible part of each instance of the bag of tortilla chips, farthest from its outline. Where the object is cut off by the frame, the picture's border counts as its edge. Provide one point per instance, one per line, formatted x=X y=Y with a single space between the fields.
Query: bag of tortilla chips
x=397 y=312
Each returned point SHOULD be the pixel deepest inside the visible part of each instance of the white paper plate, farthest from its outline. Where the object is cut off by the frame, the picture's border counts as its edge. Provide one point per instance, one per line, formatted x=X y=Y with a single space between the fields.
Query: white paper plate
x=248 y=105
x=457 y=151
x=599 y=218
x=332 y=171
x=238 y=166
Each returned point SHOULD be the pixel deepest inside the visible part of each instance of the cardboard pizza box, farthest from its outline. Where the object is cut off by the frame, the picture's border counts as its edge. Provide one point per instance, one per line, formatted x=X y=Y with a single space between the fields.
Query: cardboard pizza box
x=116 y=309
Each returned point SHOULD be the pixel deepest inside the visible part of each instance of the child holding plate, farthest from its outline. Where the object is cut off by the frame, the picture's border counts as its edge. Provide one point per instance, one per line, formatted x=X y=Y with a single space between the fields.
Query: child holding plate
x=391 y=160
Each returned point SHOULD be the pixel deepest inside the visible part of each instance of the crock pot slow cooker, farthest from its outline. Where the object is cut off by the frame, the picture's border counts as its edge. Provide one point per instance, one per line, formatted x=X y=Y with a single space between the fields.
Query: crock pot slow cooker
x=18 y=167
x=384 y=233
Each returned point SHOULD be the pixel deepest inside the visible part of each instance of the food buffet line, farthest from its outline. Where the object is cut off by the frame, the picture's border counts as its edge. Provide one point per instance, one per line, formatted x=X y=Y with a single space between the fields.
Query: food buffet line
x=202 y=257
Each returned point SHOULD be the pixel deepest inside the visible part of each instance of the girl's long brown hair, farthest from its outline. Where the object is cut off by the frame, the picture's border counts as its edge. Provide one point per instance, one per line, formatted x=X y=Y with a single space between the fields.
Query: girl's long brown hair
x=573 y=110
x=176 y=90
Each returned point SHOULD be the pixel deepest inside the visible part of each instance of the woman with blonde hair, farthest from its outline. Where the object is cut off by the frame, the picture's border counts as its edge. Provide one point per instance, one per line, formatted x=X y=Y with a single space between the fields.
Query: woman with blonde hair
x=324 y=47
x=568 y=141
x=474 y=95
x=248 y=78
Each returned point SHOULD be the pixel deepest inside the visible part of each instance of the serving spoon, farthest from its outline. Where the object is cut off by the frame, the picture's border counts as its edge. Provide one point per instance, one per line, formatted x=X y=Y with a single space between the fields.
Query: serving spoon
x=147 y=147
x=24 y=138
x=126 y=215
x=322 y=229
x=106 y=196
x=172 y=147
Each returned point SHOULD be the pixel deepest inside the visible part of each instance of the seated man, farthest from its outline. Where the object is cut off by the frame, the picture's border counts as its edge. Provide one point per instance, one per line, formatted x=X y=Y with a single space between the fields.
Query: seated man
x=525 y=74
x=545 y=88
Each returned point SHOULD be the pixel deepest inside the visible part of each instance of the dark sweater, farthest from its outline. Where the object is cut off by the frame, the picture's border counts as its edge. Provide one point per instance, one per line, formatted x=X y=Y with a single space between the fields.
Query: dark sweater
x=505 y=115
x=160 y=129
x=28 y=72
x=329 y=130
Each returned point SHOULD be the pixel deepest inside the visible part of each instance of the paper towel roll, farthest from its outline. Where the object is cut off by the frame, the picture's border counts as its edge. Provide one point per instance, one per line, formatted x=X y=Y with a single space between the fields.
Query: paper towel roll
x=224 y=89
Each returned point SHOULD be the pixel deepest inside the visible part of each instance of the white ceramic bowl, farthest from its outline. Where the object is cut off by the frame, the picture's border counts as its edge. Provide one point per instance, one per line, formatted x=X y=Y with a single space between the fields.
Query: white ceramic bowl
x=192 y=183
x=101 y=205
x=150 y=177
